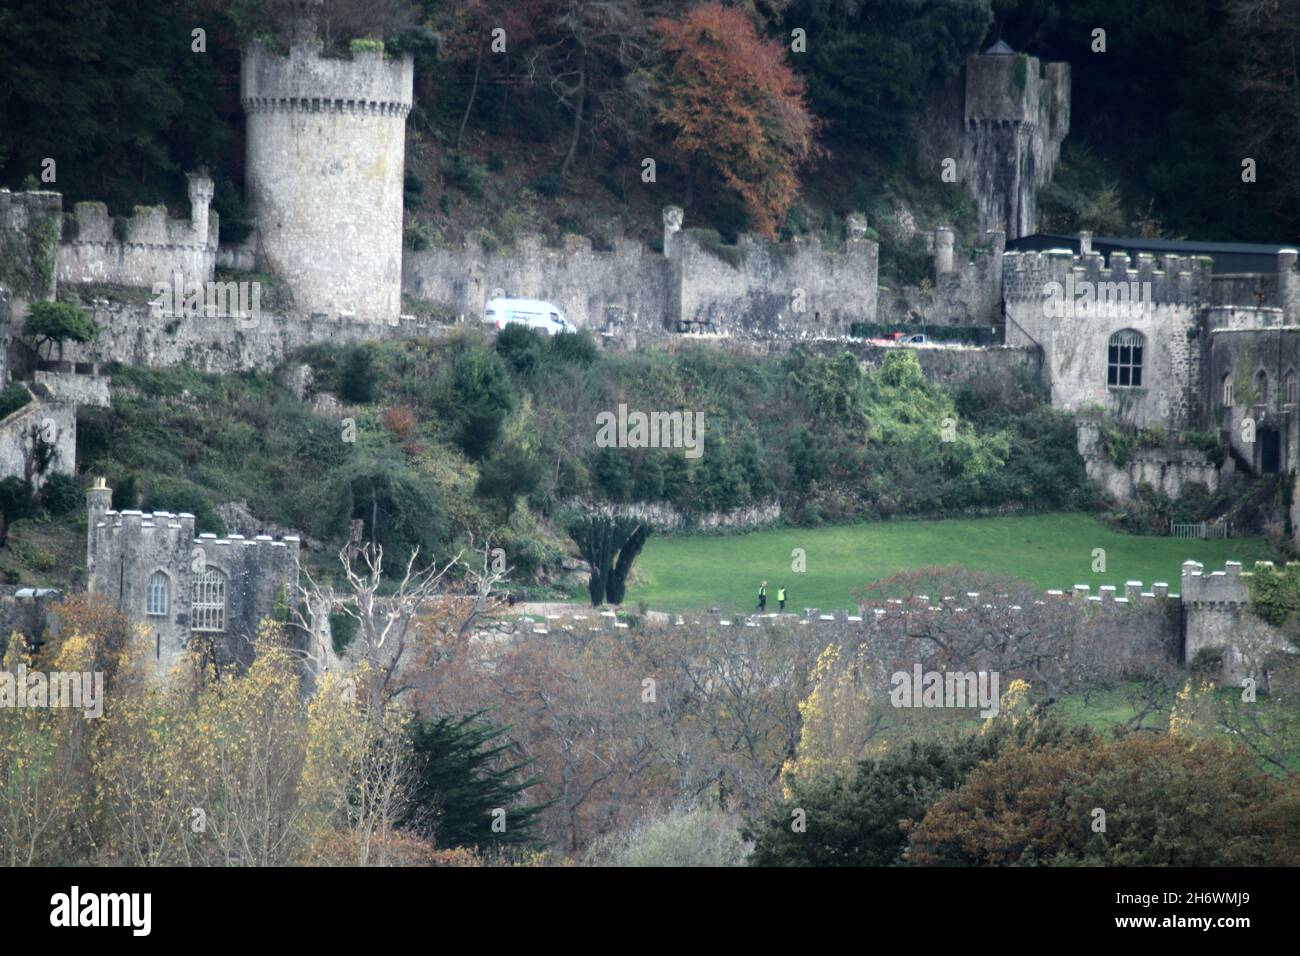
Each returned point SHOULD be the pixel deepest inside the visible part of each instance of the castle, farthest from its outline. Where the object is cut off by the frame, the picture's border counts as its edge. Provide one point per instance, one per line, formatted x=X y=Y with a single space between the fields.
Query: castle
x=1153 y=333
x=1167 y=343
x=183 y=590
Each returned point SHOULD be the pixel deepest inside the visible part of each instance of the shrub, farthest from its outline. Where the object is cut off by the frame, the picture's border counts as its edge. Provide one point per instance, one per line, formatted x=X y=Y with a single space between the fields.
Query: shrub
x=696 y=837
x=465 y=174
x=484 y=397
x=14 y=397
x=357 y=377
x=61 y=494
x=574 y=347
x=549 y=185
x=521 y=347
x=343 y=628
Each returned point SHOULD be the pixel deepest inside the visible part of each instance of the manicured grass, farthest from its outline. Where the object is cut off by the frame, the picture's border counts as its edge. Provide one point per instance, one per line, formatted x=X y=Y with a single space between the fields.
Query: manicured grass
x=690 y=572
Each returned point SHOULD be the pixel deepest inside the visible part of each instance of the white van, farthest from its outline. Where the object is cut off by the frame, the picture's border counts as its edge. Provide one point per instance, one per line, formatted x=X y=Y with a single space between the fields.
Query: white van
x=533 y=313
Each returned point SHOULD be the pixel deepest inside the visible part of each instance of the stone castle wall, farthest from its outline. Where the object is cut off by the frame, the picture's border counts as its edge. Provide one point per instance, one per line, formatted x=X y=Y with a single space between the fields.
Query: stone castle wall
x=1075 y=349
x=144 y=249
x=1167 y=470
x=40 y=246
x=29 y=242
x=131 y=334
x=795 y=289
x=46 y=421
x=125 y=549
x=761 y=288
x=326 y=141
x=586 y=284
x=1218 y=617
x=1122 y=631
x=966 y=292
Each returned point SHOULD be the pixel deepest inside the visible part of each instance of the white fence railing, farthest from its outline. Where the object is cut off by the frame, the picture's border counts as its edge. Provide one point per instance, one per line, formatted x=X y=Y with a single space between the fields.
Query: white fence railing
x=1200 y=529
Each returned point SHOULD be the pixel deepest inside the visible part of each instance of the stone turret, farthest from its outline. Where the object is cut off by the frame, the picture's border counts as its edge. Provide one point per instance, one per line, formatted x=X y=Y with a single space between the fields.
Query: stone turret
x=1016 y=114
x=99 y=498
x=200 y=189
x=326 y=140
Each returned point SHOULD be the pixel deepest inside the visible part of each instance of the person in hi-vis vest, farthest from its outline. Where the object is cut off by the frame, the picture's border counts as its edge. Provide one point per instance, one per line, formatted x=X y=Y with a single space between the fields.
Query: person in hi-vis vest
x=780 y=597
x=762 y=596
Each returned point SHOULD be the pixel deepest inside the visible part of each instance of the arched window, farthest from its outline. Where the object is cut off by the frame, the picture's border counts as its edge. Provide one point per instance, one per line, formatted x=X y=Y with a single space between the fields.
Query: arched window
x=157 y=596
x=1261 y=387
x=1290 y=391
x=1227 y=391
x=209 y=606
x=1124 y=361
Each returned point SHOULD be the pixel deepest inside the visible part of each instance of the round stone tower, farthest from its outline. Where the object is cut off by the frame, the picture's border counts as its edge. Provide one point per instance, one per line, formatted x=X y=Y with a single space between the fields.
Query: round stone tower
x=326 y=143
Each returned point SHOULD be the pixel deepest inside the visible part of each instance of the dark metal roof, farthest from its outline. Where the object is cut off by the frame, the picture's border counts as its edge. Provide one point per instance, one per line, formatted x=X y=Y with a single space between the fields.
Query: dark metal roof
x=1229 y=257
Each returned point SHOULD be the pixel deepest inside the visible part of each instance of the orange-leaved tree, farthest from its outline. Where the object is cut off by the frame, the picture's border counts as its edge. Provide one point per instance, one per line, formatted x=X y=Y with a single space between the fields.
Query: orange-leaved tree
x=736 y=106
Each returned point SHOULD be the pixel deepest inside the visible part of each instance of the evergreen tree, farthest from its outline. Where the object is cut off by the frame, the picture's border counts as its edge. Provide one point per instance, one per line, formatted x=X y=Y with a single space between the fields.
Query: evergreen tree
x=465 y=777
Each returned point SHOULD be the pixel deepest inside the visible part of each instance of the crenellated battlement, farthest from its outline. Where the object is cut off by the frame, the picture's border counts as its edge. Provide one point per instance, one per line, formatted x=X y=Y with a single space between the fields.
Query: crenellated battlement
x=1164 y=280
x=1129 y=625
x=307 y=82
x=90 y=222
x=1132 y=596
x=179 y=527
x=1229 y=587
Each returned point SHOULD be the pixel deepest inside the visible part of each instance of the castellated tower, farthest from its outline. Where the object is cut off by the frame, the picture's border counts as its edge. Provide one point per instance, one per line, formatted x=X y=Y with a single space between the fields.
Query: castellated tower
x=326 y=142
x=1016 y=114
x=176 y=589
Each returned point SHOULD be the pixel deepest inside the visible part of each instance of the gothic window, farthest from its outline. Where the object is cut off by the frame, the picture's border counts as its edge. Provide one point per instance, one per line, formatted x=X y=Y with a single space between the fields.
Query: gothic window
x=209 y=606
x=1227 y=391
x=1261 y=388
x=156 y=594
x=1124 y=361
x=1289 y=387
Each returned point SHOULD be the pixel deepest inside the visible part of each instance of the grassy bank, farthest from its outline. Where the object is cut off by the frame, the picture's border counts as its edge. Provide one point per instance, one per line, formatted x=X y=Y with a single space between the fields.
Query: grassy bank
x=1053 y=550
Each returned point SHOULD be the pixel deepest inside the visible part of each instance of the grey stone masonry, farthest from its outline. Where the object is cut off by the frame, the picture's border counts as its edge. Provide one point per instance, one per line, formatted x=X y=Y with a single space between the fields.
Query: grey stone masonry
x=178 y=588
x=1218 y=617
x=326 y=145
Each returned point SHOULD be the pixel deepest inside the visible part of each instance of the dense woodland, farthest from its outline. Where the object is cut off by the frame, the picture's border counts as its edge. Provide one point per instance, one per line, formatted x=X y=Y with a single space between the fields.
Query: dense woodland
x=551 y=132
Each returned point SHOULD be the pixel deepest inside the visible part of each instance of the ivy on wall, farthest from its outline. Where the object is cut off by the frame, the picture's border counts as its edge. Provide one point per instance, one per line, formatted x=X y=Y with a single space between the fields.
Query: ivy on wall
x=27 y=257
x=1275 y=596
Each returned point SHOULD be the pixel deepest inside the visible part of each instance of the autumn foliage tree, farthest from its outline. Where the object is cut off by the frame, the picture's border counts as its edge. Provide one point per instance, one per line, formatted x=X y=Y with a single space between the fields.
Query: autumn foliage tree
x=736 y=107
x=1168 y=801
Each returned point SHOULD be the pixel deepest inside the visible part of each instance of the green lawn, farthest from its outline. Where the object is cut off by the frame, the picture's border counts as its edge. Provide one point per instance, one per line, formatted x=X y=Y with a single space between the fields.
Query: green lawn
x=689 y=572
